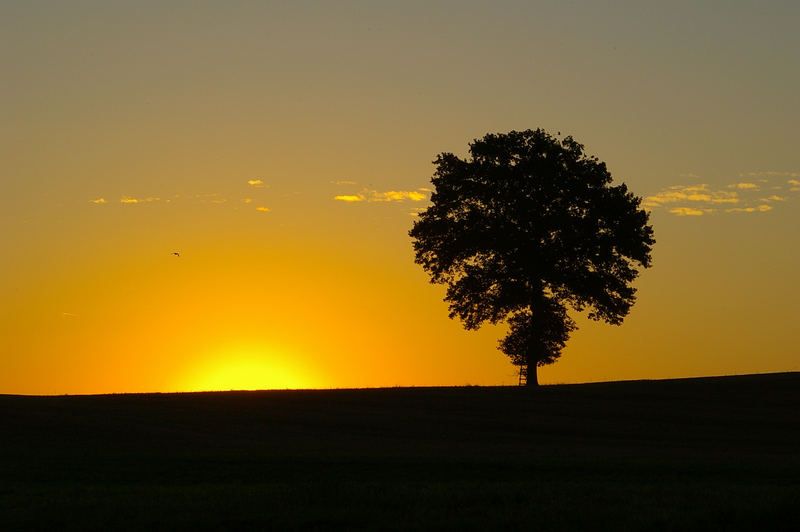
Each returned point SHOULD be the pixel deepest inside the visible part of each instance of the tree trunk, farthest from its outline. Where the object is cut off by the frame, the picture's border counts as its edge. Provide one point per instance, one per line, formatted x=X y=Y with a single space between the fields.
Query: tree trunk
x=532 y=378
x=535 y=347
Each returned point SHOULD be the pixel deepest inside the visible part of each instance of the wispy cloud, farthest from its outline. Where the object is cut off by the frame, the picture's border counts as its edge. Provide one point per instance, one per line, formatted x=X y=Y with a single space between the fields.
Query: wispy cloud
x=397 y=195
x=263 y=209
x=211 y=197
x=739 y=197
x=255 y=182
x=208 y=198
x=760 y=208
x=344 y=182
x=769 y=174
x=385 y=196
x=350 y=197
x=692 y=194
x=688 y=211
x=128 y=200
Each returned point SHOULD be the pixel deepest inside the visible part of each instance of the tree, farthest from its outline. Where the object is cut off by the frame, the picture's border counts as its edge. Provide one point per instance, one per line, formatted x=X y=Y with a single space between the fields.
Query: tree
x=525 y=228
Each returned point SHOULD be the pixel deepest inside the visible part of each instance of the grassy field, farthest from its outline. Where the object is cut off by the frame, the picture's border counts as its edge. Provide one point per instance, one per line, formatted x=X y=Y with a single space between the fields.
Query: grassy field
x=690 y=454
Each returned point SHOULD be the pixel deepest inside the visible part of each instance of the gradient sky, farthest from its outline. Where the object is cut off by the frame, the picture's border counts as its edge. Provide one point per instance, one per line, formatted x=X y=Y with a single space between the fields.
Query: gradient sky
x=236 y=132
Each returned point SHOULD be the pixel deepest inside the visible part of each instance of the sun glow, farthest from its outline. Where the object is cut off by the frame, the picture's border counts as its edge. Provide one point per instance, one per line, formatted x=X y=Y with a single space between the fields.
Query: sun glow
x=246 y=368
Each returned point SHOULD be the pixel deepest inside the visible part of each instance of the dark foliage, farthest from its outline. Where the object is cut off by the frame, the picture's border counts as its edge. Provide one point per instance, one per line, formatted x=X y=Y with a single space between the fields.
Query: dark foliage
x=525 y=227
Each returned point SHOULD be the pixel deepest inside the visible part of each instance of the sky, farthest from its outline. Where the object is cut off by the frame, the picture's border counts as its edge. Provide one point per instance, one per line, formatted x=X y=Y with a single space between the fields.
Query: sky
x=283 y=150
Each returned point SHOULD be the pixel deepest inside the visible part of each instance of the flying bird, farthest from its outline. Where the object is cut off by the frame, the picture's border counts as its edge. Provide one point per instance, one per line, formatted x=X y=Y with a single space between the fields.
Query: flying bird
x=176 y=253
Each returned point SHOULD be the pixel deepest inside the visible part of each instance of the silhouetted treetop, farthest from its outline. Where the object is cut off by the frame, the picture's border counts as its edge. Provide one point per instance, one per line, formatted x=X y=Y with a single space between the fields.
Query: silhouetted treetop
x=526 y=226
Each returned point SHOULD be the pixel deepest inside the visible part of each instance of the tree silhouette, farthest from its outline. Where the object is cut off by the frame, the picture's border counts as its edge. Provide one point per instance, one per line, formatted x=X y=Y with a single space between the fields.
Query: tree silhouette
x=524 y=228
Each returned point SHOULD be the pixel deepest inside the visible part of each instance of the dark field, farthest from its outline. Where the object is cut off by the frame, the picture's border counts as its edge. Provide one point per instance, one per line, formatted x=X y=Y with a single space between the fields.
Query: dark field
x=692 y=454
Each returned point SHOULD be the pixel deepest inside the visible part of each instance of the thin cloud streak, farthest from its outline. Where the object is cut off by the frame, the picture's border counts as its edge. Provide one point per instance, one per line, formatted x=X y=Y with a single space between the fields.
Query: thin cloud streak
x=769 y=174
x=350 y=198
x=375 y=196
x=700 y=193
x=702 y=198
x=213 y=198
x=398 y=195
x=760 y=208
x=129 y=200
x=687 y=211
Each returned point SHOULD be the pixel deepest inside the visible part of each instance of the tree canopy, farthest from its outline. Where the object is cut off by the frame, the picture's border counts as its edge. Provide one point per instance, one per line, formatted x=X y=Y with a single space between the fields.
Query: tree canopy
x=526 y=227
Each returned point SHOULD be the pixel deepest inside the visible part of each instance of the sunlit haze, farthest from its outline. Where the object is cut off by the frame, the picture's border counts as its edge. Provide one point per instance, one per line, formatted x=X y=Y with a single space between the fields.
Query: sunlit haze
x=217 y=195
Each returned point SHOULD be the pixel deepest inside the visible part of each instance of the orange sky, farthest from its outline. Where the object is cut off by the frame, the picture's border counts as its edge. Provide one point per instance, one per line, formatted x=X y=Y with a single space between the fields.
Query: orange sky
x=284 y=150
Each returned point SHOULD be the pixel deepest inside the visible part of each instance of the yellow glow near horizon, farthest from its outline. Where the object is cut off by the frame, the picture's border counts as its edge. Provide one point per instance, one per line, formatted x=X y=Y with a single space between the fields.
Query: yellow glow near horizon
x=245 y=367
x=226 y=202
